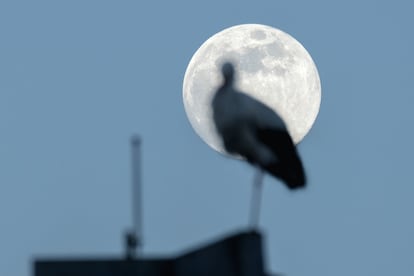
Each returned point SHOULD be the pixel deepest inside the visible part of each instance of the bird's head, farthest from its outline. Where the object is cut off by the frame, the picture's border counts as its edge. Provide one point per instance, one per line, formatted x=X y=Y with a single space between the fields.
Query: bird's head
x=227 y=69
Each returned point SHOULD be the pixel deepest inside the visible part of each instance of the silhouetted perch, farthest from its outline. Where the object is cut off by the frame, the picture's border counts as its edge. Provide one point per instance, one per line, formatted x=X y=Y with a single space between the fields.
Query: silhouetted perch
x=236 y=255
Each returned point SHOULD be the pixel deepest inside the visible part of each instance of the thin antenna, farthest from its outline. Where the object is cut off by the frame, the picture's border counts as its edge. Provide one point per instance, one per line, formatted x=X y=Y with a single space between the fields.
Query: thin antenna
x=133 y=239
x=136 y=187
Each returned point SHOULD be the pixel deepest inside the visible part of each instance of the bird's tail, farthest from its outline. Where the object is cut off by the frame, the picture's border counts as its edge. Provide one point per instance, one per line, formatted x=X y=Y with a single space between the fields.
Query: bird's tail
x=289 y=167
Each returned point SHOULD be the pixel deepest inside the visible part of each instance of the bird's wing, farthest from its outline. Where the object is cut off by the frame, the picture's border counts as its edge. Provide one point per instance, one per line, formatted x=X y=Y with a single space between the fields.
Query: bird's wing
x=262 y=115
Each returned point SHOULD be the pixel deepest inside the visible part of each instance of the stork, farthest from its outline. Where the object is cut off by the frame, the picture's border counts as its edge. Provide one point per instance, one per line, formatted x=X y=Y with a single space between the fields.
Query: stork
x=253 y=131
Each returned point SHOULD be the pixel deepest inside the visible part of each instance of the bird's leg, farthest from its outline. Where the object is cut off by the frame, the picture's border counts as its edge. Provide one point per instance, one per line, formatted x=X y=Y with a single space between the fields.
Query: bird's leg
x=256 y=198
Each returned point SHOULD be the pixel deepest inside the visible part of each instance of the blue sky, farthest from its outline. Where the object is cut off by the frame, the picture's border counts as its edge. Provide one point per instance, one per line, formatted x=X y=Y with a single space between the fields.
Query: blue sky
x=77 y=78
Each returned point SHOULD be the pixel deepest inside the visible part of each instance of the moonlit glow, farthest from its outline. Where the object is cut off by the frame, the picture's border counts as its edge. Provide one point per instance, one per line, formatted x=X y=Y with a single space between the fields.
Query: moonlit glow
x=271 y=66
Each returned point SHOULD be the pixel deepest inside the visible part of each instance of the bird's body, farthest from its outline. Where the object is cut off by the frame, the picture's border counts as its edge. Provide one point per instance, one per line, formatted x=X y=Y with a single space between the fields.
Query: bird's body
x=252 y=130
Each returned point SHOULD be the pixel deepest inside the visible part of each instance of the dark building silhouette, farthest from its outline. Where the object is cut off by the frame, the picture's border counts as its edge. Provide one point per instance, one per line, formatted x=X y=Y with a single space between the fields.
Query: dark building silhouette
x=236 y=255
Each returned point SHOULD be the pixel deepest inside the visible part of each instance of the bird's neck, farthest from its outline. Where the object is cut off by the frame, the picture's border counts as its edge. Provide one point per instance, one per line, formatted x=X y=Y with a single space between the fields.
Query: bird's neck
x=228 y=82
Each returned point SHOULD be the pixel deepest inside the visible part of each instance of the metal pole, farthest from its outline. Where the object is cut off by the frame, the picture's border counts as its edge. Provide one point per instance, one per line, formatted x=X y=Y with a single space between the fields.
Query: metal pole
x=256 y=199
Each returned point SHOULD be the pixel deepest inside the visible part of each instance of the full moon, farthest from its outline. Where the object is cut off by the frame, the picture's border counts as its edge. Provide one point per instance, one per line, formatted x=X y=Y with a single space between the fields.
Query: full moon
x=271 y=66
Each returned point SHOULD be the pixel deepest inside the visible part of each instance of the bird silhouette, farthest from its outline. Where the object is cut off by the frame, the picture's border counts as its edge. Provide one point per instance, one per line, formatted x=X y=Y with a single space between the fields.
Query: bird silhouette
x=255 y=132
